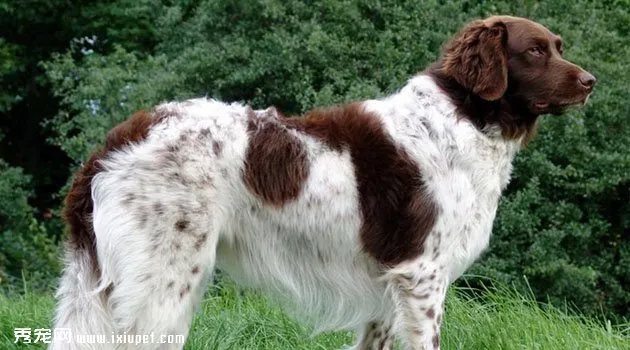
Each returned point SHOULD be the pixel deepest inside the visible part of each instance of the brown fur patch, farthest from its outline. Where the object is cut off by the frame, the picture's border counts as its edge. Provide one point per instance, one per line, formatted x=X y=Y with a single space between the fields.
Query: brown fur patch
x=78 y=203
x=276 y=165
x=477 y=59
x=397 y=213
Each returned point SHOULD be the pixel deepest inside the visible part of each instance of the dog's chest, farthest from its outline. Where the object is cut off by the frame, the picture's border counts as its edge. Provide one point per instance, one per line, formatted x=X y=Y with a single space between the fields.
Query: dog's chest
x=469 y=193
x=463 y=169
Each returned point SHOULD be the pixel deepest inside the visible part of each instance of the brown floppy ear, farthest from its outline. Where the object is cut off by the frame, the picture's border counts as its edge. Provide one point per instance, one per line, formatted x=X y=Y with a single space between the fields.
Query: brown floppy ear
x=477 y=59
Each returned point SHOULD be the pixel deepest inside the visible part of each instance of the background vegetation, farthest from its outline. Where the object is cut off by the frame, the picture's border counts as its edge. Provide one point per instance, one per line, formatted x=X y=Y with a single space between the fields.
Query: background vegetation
x=69 y=70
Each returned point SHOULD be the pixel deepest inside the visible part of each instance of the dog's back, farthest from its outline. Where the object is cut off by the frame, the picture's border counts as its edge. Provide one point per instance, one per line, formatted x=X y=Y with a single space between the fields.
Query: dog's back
x=314 y=211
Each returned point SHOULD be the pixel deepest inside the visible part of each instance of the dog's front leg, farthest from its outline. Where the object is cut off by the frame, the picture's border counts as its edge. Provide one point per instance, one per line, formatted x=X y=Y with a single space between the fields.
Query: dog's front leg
x=376 y=335
x=419 y=291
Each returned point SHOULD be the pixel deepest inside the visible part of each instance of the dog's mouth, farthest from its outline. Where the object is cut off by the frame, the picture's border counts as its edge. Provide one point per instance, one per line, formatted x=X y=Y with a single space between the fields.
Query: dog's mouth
x=542 y=107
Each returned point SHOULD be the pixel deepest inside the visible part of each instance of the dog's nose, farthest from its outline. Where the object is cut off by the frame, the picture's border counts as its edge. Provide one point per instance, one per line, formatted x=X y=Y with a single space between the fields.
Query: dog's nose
x=587 y=80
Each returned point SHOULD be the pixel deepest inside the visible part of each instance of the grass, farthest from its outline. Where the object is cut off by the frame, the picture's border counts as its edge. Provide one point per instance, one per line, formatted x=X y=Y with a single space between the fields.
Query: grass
x=230 y=319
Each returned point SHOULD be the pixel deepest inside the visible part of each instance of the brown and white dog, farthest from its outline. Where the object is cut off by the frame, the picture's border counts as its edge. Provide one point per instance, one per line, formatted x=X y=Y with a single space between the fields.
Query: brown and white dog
x=355 y=217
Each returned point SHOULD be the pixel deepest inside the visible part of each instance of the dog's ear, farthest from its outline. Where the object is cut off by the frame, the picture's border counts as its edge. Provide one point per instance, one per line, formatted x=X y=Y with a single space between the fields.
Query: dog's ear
x=477 y=59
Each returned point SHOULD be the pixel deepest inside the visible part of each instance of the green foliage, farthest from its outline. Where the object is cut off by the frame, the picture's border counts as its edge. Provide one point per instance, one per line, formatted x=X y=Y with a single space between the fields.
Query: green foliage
x=565 y=220
x=31 y=31
x=9 y=63
x=26 y=251
x=105 y=90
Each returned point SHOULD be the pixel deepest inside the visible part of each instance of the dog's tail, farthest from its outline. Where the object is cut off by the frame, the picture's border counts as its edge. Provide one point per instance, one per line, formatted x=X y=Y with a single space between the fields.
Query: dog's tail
x=81 y=318
x=82 y=301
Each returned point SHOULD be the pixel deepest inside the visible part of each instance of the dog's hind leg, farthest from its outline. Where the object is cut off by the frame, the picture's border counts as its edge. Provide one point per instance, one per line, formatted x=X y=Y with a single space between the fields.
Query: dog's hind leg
x=157 y=265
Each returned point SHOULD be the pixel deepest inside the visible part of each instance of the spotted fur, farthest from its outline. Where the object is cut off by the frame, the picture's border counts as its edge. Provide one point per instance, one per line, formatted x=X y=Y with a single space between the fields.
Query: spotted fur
x=352 y=217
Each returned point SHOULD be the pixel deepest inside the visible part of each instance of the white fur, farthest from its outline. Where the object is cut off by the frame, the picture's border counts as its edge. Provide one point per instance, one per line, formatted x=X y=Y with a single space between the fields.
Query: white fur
x=306 y=254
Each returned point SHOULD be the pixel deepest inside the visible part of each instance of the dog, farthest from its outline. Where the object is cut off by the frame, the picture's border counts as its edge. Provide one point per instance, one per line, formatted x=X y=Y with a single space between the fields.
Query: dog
x=354 y=217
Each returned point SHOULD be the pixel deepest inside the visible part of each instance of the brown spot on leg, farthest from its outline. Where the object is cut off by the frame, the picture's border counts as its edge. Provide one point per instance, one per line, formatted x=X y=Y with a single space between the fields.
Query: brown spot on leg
x=385 y=339
x=217 y=147
x=436 y=341
x=420 y=296
x=201 y=240
x=170 y=284
x=430 y=313
x=129 y=198
x=376 y=336
x=184 y=290
x=109 y=290
x=143 y=218
x=195 y=270
x=158 y=208
x=181 y=225
x=436 y=251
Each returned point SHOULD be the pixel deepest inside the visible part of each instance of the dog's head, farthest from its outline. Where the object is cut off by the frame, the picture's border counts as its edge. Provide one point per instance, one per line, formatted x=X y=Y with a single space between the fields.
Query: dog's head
x=517 y=61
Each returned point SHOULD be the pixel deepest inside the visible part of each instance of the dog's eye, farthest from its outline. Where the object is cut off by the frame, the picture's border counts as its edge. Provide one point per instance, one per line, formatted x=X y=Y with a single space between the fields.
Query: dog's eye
x=537 y=51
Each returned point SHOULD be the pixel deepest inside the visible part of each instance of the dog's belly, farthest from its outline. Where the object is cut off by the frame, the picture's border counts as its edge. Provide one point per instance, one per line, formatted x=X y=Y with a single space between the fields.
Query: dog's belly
x=318 y=273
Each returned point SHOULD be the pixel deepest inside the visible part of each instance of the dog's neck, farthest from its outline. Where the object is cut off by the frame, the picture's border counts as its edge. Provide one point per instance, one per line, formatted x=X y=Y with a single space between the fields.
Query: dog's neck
x=512 y=116
x=425 y=122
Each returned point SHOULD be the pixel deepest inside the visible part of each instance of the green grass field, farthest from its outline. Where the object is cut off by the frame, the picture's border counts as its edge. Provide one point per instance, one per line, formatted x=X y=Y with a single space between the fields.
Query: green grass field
x=233 y=320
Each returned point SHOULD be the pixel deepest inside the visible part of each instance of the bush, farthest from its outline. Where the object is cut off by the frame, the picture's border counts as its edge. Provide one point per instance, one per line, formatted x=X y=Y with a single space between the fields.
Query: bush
x=26 y=251
x=564 y=222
